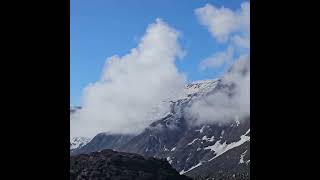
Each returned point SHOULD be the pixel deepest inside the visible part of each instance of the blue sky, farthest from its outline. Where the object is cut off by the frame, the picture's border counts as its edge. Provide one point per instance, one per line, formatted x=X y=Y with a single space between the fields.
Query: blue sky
x=103 y=28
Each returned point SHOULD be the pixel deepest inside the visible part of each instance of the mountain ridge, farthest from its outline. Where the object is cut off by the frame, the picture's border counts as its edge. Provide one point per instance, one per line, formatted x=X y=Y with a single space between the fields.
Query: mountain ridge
x=171 y=137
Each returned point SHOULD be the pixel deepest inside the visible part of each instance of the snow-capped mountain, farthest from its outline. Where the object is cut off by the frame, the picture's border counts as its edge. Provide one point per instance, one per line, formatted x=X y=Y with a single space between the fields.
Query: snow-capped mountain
x=203 y=151
x=201 y=87
x=187 y=149
x=78 y=142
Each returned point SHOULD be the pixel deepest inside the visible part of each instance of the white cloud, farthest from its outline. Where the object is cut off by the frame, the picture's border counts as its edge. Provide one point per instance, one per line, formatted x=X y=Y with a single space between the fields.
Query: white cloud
x=226 y=26
x=222 y=22
x=131 y=86
x=218 y=59
x=225 y=105
x=241 y=42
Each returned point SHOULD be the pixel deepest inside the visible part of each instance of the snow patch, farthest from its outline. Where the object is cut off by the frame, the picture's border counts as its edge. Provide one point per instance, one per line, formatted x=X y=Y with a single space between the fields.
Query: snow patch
x=201 y=130
x=192 y=141
x=241 y=157
x=247 y=132
x=204 y=138
x=78 y=142
x=169 y=160
x=183 y=171
x=222 y=133
x=219 y=148
x=237 y=120
x=200 y=87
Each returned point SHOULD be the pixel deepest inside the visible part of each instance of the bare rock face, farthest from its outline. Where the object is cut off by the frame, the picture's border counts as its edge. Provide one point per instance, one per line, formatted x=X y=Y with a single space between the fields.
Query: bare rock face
x=112 y=165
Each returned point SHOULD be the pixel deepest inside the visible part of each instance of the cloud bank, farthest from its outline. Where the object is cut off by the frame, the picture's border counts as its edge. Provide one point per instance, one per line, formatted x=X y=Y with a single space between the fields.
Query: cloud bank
x=232 y=101
x=229 y=103
x=223 y=22
x=218 y=59
x=131 y=86
x=226 y=27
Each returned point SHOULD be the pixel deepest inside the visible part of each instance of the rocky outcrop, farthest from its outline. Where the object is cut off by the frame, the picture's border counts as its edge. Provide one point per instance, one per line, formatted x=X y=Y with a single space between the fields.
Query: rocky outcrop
x=112 y=165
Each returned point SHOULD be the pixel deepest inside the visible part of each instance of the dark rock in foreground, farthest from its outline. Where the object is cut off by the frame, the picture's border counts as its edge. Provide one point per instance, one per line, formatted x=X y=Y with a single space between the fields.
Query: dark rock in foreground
x=111 y=165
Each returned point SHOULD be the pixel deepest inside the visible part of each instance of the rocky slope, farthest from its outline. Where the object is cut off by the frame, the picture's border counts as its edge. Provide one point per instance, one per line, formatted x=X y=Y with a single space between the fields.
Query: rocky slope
x=103 y=141
x=109 y=164
x=234 y=164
